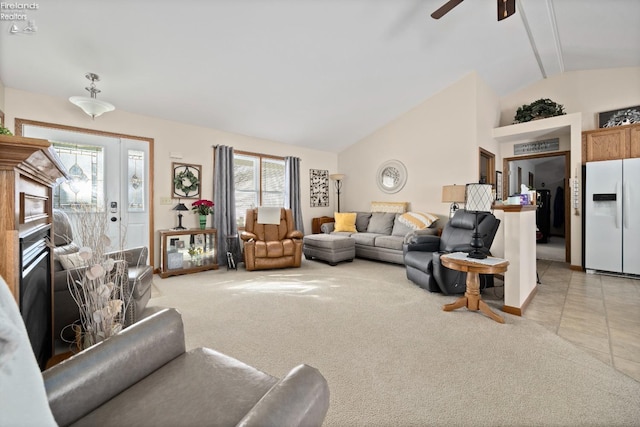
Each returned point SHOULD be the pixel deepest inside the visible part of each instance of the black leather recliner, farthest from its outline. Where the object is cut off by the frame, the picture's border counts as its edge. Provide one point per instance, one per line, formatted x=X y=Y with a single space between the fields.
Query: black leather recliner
x=422 y=253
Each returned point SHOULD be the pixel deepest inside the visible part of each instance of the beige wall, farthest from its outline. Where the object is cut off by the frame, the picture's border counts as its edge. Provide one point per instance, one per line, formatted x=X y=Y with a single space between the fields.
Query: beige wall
x=193 y=142
x=588 y=92
x=2 y=97
x=437 y=141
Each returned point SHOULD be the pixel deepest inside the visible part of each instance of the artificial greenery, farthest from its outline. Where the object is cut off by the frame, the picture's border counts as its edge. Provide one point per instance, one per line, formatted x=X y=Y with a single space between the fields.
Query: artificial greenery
x=540 y=109
x=186 y=182
x=4 y=131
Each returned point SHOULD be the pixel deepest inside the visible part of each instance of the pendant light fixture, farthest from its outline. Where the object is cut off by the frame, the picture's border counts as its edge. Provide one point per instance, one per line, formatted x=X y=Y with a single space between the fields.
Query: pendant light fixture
x=92 y=106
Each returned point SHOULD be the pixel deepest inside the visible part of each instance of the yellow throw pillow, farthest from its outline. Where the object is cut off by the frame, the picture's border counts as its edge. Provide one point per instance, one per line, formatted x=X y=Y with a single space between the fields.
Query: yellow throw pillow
x=418 y=220
x=345 y=221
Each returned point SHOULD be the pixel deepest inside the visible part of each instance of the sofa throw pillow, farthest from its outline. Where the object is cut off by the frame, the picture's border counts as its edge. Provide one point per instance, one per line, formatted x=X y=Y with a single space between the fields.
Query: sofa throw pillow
x=418 y=220
x=71 y=261
x=381 y=223
x=345 y=221
x=400 y=228
x=362 y=221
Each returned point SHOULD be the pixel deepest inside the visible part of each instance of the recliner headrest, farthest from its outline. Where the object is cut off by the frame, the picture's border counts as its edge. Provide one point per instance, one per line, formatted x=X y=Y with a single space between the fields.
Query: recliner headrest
x=463 y=219
x=62 y=228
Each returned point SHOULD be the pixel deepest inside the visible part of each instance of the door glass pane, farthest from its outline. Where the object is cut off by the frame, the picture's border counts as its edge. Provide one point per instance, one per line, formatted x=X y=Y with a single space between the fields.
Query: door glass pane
x=136 y=184
x=85 y=188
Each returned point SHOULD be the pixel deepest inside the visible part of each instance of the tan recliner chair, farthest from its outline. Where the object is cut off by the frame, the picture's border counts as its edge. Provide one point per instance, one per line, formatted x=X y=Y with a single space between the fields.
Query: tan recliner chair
x=270 y=245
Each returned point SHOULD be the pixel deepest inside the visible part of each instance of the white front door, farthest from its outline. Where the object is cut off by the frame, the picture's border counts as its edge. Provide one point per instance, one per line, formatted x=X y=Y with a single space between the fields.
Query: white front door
x=108 y=173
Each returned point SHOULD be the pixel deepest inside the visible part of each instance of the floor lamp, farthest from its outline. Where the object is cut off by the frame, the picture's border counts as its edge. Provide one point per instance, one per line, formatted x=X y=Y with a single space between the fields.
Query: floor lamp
x=180 y=207
x=479 y=198
x=337 y=177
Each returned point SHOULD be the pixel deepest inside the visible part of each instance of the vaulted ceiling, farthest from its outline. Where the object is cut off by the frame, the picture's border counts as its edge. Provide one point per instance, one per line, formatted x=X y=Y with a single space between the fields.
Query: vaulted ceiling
x=315 y=73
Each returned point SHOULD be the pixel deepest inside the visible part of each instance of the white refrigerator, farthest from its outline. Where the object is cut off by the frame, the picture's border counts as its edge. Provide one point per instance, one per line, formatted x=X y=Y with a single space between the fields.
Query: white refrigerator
x=612 y=216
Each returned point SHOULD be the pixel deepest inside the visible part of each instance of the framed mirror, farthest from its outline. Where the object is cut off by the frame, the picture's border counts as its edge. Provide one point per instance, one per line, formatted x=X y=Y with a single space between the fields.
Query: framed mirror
x=391 y=176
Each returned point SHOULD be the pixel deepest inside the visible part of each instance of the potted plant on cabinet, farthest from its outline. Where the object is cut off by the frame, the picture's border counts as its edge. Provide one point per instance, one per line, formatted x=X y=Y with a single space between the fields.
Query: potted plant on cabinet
x=539 y=109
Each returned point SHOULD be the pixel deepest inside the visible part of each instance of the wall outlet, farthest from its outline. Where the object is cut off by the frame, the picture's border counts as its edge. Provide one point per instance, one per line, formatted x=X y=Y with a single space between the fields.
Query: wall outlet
x=165 y=201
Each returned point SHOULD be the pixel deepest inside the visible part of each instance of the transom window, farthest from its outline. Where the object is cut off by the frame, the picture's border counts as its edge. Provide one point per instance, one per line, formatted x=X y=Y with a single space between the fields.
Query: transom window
x=259 y=181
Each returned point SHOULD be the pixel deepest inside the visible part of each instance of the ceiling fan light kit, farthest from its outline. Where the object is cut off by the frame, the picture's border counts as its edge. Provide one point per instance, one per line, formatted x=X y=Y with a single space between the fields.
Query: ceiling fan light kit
x=92 y=105
x=506 y=8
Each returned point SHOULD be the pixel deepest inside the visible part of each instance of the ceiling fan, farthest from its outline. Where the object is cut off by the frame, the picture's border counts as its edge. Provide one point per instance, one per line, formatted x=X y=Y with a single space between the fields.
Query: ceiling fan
x=506 y=8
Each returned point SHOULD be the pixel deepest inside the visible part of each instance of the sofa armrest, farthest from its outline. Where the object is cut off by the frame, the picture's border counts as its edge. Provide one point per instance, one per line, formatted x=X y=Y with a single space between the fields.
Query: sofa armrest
x=299 y=399
x=327 y=227
x=85 y=381
x=247 y=236
x=424 y=232
x=424 y=243
x=133 y=256
x=295 y=234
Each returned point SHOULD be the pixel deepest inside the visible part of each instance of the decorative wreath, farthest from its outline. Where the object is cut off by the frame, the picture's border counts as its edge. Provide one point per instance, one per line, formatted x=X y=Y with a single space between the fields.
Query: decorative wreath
x=179 y=181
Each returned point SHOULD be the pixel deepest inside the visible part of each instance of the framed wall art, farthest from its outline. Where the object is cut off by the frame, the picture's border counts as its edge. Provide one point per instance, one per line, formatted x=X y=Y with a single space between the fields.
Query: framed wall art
x=319 y=187
x=622 y=116
x=185 y=181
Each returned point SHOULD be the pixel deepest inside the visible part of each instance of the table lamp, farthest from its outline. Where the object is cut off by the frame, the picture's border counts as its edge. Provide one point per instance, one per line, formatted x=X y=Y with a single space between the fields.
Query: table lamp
x=479 y=198
x=453 y=194
x=180 y=207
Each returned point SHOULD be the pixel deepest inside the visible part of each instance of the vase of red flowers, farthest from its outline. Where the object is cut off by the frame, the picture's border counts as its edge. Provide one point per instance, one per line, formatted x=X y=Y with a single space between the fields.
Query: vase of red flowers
x=203 y=208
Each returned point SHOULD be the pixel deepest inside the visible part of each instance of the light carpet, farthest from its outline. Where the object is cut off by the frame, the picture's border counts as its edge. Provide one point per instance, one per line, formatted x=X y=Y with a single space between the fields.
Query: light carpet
x=391 y=356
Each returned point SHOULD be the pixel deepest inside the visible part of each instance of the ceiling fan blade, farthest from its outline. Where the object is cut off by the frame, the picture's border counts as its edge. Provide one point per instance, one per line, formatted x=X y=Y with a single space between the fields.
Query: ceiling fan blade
x=506 y=8
x=445 y=8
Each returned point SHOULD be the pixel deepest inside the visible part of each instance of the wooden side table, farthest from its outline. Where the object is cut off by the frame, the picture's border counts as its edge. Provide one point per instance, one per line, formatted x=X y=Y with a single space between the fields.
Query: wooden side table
x=316 y=223
x=473 y=267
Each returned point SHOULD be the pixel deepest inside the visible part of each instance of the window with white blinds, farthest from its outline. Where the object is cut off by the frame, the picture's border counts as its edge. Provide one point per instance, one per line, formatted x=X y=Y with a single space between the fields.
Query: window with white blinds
x=259 y=181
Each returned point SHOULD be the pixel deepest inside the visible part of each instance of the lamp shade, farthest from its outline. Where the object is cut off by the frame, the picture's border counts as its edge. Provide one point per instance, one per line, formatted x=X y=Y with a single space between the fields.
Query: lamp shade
x=453 y=193
x=479 y=197
x=92 y=106
x=180 y=207
x=337 y=176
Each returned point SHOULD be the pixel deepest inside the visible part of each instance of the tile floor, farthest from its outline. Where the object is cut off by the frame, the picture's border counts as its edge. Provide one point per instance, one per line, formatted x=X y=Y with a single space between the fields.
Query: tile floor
x=600 y=314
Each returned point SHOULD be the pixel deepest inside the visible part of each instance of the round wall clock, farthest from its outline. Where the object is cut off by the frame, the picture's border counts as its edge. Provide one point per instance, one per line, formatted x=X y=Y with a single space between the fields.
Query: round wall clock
x=391 y=176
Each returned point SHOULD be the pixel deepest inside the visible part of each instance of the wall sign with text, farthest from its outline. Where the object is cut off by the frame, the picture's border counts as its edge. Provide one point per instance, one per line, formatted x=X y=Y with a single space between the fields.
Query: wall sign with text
x=537 y=147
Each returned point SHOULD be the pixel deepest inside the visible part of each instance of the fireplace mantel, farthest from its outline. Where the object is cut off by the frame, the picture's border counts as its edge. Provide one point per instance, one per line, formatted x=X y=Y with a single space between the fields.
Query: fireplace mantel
x=29 y=169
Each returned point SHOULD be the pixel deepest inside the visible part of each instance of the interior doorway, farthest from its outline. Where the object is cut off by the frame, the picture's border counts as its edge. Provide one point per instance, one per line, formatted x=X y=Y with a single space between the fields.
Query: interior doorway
x=549 y=175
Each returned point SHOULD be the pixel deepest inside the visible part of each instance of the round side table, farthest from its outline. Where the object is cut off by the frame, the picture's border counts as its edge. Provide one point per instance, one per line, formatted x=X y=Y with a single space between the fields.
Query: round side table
x=474 y=267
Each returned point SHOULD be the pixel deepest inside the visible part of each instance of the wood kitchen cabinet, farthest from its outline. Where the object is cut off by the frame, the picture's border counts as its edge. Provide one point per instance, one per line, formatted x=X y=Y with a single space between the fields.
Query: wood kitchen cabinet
x=620 y=142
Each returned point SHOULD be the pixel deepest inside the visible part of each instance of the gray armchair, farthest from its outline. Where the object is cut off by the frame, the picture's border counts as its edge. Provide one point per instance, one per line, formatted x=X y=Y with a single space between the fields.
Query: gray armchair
x=144 y=376
x=65 y=310
x=422 y=253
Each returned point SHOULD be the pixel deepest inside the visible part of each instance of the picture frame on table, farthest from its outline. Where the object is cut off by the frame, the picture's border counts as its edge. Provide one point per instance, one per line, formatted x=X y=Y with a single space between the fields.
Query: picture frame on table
x=498 y=185
x=185 y=180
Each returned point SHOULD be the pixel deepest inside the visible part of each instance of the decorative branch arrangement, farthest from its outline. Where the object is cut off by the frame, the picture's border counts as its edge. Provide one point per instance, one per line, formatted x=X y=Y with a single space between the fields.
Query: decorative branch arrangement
x=101 y=287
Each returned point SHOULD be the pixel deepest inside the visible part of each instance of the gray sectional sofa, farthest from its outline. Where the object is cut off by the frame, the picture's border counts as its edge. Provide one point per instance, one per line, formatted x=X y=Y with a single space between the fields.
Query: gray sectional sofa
x=380 y=235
